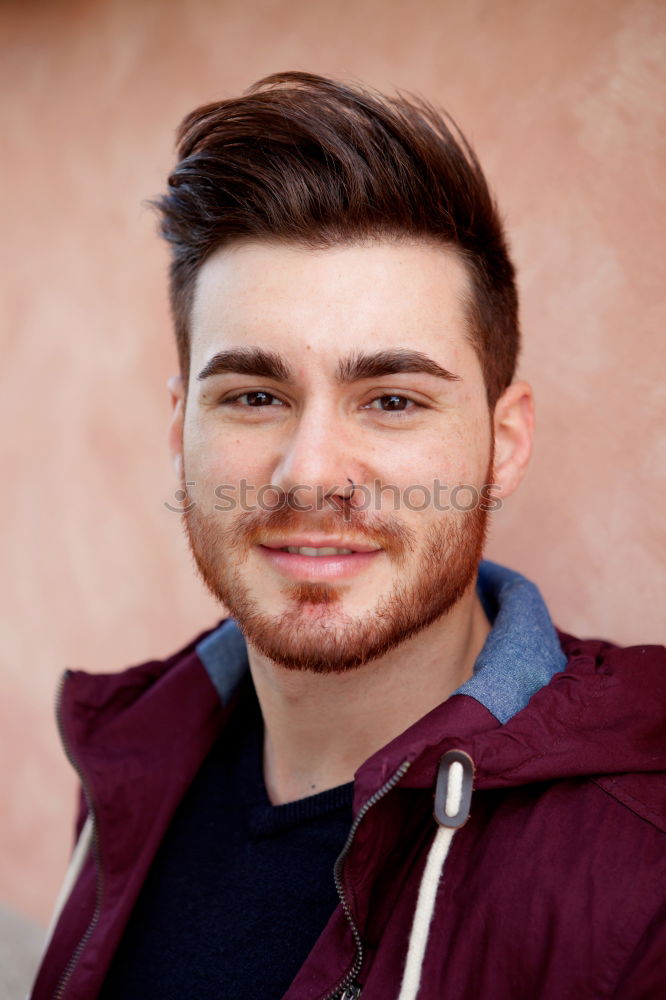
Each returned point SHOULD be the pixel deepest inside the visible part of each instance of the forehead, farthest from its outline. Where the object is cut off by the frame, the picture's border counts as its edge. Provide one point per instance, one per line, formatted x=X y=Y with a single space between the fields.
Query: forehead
x=325 y=303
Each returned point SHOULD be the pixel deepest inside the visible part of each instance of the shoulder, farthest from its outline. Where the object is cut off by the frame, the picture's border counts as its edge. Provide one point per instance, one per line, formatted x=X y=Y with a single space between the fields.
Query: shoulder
x=600 y=721
x=88 y=699
x=628 y=699
x=602 y=650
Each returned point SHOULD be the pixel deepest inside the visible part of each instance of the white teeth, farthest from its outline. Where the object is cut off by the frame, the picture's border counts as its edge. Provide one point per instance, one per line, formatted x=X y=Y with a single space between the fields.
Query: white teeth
x=306 y=550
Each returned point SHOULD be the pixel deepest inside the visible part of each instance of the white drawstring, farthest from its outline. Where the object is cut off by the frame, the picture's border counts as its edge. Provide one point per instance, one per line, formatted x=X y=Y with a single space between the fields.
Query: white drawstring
x=76 y=863
x=425 y=905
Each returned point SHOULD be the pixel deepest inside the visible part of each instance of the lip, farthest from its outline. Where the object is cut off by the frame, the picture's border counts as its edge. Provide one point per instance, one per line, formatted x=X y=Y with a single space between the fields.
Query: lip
x=318 y=568
x=319 y=542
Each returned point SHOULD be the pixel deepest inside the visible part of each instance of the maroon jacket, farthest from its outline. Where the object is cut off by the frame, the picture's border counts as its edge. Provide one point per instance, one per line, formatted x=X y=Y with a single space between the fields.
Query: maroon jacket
x=554 y=889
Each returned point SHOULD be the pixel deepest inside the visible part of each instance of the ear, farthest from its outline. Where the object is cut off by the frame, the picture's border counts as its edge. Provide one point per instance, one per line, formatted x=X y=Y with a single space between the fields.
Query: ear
x=513 y=424
x=177 y=393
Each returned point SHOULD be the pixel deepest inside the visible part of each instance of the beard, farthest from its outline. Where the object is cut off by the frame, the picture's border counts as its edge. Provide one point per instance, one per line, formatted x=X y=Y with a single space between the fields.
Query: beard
x=313 y=633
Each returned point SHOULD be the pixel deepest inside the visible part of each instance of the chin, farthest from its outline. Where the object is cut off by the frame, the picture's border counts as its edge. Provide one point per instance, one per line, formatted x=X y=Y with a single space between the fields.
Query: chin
x=325 y=628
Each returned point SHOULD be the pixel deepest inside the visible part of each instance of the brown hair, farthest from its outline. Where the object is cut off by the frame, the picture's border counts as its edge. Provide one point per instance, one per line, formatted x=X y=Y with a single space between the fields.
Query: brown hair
x=303 y=158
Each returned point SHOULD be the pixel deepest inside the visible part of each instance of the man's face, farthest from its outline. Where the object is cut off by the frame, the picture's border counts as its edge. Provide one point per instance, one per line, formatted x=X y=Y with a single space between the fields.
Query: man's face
x=312 y=370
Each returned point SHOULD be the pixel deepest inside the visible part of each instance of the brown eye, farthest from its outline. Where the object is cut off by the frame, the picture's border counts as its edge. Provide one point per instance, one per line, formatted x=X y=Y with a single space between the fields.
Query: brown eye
x=392 y=403
x=259 y=398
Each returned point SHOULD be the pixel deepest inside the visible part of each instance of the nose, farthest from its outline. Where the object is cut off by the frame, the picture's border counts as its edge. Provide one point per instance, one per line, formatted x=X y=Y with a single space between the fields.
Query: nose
x=318 y=458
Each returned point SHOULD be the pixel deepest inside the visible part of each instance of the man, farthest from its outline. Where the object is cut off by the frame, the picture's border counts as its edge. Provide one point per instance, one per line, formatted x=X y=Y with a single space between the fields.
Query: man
x=385 y=774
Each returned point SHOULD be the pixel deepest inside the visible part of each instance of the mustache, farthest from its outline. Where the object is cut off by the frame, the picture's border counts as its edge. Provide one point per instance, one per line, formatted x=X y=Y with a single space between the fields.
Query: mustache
x=388 y=533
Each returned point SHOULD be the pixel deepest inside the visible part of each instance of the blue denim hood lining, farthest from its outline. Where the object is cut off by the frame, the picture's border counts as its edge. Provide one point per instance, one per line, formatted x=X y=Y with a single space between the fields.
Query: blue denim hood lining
x=522 y=651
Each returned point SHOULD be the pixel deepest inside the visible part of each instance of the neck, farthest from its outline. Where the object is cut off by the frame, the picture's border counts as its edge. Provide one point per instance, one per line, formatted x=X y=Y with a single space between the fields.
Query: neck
x=320 y=728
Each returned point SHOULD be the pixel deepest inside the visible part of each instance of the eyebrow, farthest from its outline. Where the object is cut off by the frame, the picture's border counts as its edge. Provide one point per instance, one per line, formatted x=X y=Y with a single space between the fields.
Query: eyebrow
x=362 y=366
x=247 y=361
x=258 y=363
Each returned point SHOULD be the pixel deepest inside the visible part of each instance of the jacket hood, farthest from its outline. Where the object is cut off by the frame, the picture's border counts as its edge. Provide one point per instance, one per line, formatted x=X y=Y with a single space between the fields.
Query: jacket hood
x=542 y=705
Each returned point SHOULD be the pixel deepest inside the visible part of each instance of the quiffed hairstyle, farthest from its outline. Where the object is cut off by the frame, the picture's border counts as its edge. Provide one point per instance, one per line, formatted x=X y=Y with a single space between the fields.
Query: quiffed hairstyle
x=303 y=158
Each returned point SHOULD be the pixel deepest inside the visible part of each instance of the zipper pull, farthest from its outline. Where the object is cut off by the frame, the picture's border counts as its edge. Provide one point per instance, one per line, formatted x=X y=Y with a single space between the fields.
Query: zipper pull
x=351 y=992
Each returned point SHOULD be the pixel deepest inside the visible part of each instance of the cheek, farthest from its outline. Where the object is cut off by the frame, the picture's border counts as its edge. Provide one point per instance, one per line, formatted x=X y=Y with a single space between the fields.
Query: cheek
x=472 y=452
x=428 y=479
x=215 y=457
x=455 y=459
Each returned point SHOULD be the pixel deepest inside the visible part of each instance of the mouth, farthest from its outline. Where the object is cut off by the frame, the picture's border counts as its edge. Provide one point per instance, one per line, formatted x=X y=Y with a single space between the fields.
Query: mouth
x=307 y=550
x=319 y=558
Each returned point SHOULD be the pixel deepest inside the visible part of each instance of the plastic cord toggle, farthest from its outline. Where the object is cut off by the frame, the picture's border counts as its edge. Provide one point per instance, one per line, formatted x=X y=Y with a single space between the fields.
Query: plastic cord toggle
x=453 y=791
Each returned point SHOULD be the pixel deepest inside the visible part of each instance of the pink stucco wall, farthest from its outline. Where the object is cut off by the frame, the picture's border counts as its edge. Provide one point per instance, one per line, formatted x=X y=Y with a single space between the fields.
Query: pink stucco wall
x=564 y=101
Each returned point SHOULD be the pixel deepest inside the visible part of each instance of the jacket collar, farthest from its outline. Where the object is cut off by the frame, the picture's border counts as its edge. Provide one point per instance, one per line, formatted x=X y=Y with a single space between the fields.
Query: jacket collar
x=521 y=654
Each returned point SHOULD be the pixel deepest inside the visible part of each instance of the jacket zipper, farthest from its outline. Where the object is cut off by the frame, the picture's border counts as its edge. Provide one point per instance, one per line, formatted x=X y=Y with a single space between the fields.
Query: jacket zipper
x=346 y=989
x=99 y=877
